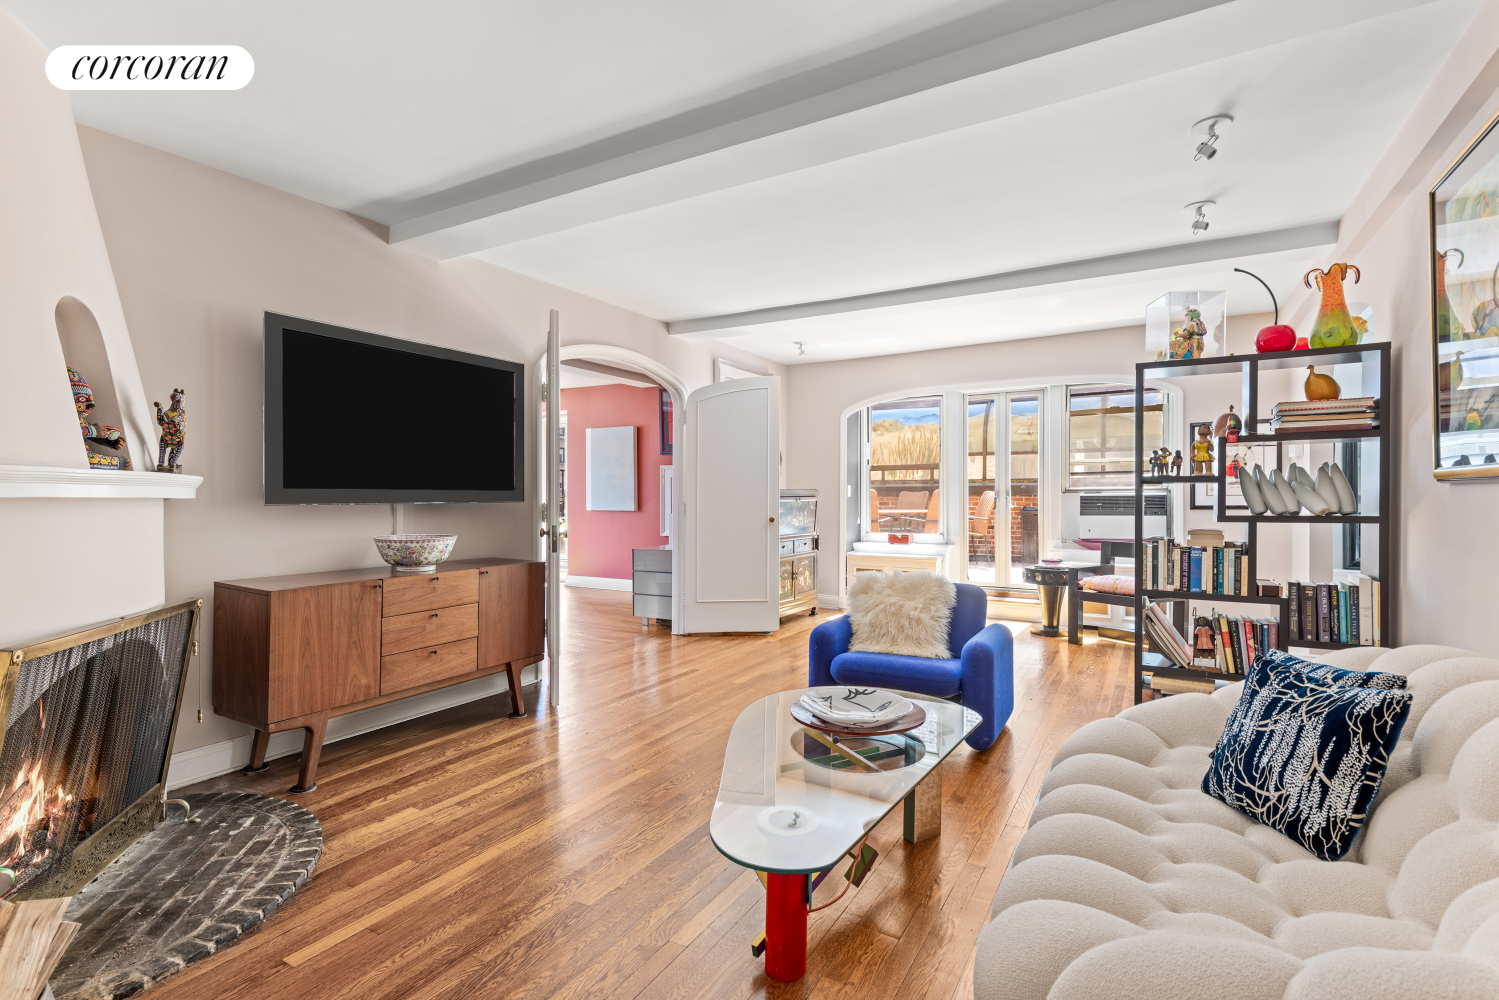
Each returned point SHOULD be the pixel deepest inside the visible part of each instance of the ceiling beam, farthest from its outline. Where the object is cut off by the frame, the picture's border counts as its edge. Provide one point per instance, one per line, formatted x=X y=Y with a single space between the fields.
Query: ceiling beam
x=1196 y=252
x=1003 y=35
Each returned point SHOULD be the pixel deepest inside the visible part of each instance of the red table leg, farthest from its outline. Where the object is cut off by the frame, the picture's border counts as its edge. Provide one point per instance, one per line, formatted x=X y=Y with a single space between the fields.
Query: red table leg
x=785 y=927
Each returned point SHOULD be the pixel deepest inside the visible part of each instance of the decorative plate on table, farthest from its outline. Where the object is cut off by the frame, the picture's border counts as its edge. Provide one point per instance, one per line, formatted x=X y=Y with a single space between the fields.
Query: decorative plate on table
x=855 y=707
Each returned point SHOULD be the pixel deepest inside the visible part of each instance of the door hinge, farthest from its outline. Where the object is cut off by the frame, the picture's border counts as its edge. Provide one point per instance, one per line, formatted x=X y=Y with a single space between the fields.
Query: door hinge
x=543 y=392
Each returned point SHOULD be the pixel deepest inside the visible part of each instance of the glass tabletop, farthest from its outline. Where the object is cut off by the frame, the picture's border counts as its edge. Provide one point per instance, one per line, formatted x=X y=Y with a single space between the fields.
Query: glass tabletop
x=791 y=802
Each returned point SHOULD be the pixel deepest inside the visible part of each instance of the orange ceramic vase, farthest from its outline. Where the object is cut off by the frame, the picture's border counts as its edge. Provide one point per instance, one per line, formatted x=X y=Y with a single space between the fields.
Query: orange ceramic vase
x=1334 y=327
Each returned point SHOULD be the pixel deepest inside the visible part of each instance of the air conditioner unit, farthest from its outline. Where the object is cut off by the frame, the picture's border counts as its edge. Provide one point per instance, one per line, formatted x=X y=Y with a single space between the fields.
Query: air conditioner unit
x=1112 y=515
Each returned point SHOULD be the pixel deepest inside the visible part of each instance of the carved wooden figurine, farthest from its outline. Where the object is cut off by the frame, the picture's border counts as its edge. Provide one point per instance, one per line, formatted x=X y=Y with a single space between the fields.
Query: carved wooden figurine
x=173 y=433
x=101 y=435
x=1176 y=464
x=1202 y=451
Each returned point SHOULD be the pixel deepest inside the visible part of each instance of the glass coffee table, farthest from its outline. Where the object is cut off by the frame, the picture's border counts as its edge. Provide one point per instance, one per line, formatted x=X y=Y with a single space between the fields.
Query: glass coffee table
x=794 y=801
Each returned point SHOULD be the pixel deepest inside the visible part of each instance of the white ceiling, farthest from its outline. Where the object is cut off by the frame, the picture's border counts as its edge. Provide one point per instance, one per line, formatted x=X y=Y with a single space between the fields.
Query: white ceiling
x=560 y=140
x=363 y=104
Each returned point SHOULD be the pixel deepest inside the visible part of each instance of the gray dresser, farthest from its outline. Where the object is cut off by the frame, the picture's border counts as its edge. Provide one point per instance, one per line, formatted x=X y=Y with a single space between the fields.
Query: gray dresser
x=651 y=575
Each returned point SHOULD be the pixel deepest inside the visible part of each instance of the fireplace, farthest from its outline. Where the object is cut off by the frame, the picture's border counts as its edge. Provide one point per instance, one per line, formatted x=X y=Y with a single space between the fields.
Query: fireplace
x=83 y=762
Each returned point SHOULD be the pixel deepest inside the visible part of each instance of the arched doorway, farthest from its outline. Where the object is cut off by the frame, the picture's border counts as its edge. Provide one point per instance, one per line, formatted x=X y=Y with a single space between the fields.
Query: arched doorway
x=617 y=357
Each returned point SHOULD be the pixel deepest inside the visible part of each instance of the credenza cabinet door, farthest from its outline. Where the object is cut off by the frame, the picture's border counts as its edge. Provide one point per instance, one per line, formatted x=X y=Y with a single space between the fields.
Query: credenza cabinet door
x=511 y=613
x=324 y=648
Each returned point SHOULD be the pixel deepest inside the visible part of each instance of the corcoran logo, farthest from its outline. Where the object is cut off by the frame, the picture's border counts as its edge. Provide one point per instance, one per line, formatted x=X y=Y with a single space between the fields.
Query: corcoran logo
x=149 y=67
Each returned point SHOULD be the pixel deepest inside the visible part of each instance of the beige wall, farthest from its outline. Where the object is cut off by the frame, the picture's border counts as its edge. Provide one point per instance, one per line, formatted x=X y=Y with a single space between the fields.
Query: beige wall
x=199 y=255
x=75 y=562
x=1447 y=533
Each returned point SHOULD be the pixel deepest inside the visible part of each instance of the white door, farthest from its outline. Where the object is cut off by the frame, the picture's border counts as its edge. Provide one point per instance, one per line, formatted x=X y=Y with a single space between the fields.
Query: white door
x=730 y=487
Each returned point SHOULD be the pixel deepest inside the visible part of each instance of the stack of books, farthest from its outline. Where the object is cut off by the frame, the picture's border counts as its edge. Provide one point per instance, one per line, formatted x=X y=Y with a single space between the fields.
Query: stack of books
x=1205 y=565
x=1336 y=612
x=1325 y=416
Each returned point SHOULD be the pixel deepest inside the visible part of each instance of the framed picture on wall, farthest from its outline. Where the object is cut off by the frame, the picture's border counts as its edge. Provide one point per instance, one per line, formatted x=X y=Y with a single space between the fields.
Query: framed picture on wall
x=665 y=421
x=1464 y=232
x=1205 y=495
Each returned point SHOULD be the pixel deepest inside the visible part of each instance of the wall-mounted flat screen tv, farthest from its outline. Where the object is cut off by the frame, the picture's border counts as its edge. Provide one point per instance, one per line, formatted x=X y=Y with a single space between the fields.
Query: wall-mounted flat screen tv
x=354 y=417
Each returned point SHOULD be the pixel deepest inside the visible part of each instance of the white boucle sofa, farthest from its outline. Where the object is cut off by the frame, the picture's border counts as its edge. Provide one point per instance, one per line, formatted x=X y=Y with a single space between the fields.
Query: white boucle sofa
x=1131 y=884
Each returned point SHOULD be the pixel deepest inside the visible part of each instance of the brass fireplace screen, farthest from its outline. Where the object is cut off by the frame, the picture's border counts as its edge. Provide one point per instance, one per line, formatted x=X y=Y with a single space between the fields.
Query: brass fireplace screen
x=83 y=762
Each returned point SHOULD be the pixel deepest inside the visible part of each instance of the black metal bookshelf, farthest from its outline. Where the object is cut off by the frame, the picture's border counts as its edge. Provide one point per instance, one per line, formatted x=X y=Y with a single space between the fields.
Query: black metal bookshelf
x=1377 y=382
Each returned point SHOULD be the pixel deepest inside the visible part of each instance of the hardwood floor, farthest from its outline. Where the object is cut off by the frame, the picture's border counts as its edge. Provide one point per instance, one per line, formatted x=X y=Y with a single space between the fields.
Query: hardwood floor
x=567 y=854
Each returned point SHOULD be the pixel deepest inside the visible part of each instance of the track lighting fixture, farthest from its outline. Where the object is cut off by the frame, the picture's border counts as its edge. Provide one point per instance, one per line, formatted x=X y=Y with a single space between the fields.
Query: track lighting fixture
x=1199 y=221
x=801 y=348
x=1208 y=131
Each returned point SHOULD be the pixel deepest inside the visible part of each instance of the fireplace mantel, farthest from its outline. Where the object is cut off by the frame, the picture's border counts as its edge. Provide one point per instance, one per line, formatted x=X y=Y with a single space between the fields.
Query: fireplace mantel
x=47 y=481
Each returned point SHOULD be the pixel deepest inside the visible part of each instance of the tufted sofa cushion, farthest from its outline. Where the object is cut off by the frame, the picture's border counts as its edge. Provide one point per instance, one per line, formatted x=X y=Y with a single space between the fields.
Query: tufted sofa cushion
x=1131 y=884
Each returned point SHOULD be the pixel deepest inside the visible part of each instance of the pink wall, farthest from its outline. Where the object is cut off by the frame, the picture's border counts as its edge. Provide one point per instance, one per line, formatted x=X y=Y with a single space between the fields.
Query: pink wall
x=599 y=541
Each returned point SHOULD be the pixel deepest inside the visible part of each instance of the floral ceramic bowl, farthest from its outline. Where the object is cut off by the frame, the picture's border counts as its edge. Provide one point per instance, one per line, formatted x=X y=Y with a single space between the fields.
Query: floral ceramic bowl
x=415 y=553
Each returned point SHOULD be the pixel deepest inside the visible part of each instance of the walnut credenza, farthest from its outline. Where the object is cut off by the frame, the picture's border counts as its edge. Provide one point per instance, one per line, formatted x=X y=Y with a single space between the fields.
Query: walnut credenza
x=291 y=652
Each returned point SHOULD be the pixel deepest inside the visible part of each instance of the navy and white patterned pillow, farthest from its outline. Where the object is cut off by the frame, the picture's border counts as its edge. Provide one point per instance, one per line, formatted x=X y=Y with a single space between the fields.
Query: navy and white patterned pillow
x=1305 y=749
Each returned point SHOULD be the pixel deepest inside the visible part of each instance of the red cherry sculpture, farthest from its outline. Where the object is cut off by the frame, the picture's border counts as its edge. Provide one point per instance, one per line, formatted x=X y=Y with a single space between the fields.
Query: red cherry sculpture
x=1278 y=337
x=1275 y=338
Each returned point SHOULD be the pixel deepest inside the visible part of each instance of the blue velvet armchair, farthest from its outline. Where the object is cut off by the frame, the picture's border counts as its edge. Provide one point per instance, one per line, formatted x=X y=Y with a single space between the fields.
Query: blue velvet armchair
x=980 y=674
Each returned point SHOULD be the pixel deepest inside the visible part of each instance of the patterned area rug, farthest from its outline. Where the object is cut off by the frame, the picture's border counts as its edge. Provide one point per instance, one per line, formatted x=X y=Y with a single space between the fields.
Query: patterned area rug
x=184 y=891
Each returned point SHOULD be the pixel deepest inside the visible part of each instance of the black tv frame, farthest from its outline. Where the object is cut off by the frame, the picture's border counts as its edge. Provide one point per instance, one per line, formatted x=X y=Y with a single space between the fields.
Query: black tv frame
x=273 y=427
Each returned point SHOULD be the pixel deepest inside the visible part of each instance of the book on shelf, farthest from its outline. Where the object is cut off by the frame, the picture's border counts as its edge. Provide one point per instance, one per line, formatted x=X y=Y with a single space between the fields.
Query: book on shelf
x=1346 y=613
x=1206 y=564
x=1156 y=686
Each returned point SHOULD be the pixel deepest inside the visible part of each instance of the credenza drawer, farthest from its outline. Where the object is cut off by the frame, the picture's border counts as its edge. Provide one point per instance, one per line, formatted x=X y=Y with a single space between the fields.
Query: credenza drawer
x=651 y=606
x=428 y=628
x=652 y=583
x=430 y=663
x=651 y=560
x=405 y=594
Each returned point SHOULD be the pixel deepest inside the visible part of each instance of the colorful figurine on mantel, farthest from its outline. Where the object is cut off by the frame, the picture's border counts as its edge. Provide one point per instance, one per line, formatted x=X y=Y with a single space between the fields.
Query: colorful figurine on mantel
x=173 y=423
x=102 y=435
x=1176 y=464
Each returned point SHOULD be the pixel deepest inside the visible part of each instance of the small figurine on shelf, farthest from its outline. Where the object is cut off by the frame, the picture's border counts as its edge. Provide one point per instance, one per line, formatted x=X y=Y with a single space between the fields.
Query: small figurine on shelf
x=1202 y=451
x=1176 y=464
x=1187 y=341
x=102 y=435
x=1228 y=426
x=173 y=423
x=1204 y=649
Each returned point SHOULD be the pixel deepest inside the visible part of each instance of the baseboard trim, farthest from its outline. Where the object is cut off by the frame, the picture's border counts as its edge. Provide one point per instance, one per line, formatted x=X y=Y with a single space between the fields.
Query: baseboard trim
x=830 y=601
x=598 y=583
x=202 y=763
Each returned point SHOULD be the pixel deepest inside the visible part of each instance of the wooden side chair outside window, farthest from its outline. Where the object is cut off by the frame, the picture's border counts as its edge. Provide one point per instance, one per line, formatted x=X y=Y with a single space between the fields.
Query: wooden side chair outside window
x=933 y=523
x=906 y=514
x=981 y=524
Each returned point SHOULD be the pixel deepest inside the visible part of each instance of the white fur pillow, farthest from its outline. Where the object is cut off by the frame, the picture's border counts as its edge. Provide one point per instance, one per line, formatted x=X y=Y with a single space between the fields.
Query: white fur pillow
x=907 y=614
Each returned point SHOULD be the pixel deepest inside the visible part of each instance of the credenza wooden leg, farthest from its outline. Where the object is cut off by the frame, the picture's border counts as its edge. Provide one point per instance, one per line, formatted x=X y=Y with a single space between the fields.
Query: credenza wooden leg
x=257 y=752
x=517 y=702
x=315 y=728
